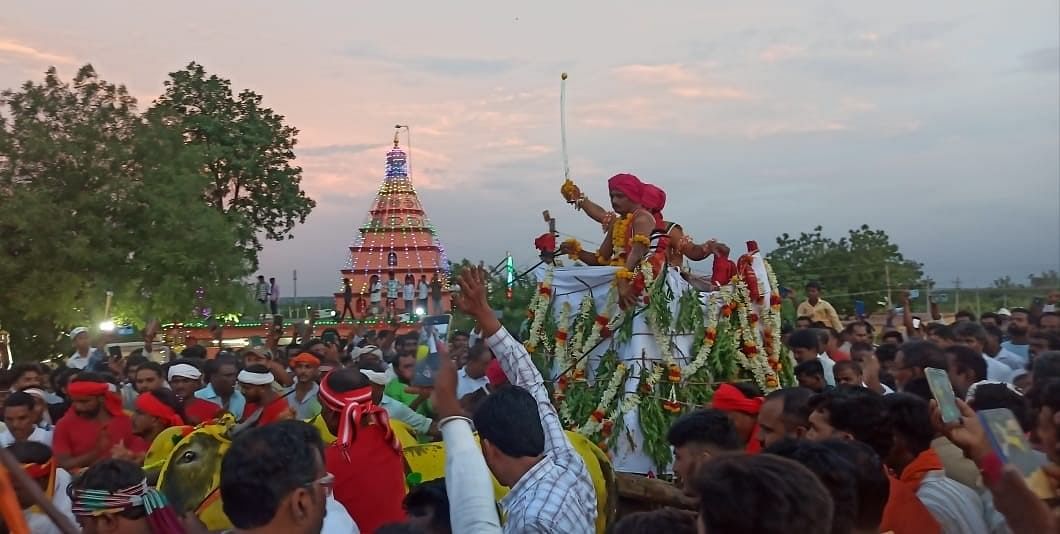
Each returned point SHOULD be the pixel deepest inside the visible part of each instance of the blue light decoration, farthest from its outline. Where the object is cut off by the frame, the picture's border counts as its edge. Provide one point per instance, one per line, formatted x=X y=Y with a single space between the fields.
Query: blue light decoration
x=396 y=223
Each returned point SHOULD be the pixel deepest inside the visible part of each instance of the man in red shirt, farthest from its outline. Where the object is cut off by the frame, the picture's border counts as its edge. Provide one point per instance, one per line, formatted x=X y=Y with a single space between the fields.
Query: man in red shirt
x=185 y=379
x=256 y=384
x=93 y=426
x=366 y=453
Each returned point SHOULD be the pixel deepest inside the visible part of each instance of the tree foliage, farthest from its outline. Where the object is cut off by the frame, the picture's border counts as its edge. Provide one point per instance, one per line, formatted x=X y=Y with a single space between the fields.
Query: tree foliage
x=513 y=311
x=247 y=151
x=98 y=197
x=854 y=267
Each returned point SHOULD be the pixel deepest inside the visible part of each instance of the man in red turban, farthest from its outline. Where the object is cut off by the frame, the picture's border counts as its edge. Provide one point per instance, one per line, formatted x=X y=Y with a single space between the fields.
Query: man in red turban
x=742 y=407
x=94 y=425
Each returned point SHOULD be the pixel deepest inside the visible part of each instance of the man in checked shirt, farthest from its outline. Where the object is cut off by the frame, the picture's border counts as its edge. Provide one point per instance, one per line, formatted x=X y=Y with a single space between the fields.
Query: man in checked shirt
x=522 y=439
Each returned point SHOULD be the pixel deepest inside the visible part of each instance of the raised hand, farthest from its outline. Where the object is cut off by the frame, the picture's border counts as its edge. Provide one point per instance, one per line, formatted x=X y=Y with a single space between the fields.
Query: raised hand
x=968 y=434
x=444 y=397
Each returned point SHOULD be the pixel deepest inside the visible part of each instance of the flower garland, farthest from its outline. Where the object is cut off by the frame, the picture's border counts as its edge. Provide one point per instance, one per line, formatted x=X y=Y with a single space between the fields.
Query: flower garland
x=710 y=335
x=574 y=248
x=601 y=328
x=598 y=415
x=538 y=310
x=771 y=330
x=620 y=234
x=657 y=314
x=560 y=355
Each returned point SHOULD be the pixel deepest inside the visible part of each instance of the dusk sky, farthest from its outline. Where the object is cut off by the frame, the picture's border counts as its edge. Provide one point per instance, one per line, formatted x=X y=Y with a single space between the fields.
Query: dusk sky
x=938 y=122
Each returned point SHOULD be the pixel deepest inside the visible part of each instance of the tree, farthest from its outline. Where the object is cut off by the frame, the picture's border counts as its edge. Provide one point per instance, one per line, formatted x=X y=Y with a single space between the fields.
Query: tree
x=97 y=199
x=855 y=267
x=513 y=311
x=247 y=151
x=1046 y=280
x=1006 y=282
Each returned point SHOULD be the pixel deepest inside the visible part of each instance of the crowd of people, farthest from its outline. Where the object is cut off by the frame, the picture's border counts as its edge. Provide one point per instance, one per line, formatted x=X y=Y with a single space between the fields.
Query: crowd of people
x=859 y=446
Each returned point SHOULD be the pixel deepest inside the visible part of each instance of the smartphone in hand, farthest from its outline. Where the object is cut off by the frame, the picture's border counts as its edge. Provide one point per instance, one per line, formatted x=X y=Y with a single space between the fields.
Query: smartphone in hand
x=1008 y=440
x=942 y=390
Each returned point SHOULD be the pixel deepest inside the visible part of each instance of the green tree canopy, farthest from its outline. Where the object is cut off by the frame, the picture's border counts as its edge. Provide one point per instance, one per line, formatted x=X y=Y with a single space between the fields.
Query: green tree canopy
x=98 y=197
x=247 y=150
x=854 y=267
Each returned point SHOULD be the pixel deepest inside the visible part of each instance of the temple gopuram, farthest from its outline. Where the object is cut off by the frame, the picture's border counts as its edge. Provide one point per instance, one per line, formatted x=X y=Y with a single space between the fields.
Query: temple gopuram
x=395 y=246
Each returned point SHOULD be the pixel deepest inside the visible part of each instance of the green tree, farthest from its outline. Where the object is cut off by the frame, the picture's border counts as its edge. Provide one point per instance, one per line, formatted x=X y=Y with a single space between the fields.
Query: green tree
x=247 y=151
x=96 y=198
x=513 y=311
x=854 y=267
x=1006 y=282
x=1045 y=280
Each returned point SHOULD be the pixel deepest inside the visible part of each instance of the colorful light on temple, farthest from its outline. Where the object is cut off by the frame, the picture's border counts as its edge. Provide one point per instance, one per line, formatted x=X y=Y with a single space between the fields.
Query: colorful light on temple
x=397 y=237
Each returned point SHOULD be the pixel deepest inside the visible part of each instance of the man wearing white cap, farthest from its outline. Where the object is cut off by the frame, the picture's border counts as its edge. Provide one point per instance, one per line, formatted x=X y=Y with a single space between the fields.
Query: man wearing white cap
x=185 y=379
x=83 y=354
x=396 y=409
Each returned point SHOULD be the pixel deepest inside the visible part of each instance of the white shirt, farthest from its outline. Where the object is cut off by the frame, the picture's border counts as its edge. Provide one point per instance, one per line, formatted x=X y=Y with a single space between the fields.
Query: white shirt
x=424 y=290
x=40 y=523
x=996 y=370
x=472 y=508
x=957 y=508
x=39 y=435
x=409 y=293
x=337 y=520
x=828 y=364
x=1013 y=360
x=466 y=385
x=76 y=361
x=377 y=291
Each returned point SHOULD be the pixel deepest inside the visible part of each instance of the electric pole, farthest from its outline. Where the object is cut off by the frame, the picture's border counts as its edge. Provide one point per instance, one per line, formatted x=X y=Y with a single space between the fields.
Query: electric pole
x=887 y=276
x=957 y=295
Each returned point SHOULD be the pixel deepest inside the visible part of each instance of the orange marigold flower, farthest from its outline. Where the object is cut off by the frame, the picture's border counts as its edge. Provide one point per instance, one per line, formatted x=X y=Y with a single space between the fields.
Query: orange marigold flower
x=726 y=311
x=598 y=415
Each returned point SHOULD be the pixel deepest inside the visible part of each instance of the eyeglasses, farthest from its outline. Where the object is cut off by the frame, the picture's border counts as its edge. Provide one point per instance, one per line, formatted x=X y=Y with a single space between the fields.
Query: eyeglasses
x=327 y=482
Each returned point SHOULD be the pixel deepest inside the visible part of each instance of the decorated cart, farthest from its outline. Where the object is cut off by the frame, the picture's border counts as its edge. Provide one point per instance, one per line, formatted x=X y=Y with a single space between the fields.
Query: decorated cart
x=621 y=376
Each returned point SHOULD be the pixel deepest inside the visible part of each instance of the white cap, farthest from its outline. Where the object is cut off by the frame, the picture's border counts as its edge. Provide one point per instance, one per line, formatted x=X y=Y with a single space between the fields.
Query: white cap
x=1004 y=311
x=375 y=377
x=255 y=379
x=367 y=349
x=184 y=370
x=78 y=331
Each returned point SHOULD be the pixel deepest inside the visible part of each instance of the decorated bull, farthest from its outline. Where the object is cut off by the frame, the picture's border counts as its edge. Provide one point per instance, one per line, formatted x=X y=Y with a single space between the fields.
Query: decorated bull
x=189 y=472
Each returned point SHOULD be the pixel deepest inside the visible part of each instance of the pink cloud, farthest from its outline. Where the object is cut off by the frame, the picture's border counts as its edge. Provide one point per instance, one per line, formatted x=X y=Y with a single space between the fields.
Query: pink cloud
x=710 y=93
x=12 y=48
x=664 y=73
x=781 y=52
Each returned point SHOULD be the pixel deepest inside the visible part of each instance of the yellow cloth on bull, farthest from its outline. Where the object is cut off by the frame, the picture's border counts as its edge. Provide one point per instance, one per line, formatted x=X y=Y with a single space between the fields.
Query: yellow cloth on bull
x=211 y=509
x=163 y=445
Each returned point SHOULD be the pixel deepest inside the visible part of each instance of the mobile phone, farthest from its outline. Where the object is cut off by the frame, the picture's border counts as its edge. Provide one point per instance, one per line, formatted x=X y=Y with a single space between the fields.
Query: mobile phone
x=914 y=293
x=1008 y=441
x=942 y=390
x=426 y=370
x=916 y=322
x=114 y=351
x=439 y=325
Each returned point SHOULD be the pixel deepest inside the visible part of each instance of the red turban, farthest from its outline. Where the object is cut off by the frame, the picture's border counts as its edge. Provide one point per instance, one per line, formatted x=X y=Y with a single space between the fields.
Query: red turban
x=629 y=185
x=148 y=404
x=653 y=199
x=85 y=388
x=729 y=399
x=305 y=357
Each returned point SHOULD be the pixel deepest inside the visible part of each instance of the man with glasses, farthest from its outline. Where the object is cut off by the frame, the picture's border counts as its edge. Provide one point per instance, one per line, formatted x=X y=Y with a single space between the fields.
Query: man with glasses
x=273 y=480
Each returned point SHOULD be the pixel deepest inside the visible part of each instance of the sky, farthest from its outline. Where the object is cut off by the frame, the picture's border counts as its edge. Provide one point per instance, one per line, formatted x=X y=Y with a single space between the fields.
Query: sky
x=938 y=122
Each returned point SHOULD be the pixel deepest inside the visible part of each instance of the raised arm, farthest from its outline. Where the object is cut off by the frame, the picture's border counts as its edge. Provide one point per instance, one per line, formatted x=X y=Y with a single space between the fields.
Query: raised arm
x=514 y=359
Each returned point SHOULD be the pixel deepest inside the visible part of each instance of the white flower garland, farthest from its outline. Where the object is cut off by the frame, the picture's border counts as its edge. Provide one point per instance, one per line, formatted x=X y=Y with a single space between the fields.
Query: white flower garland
x=662 y=332
x=597 y=329
x=593 y=426
x=710 y=324
x=585 y=310
x=539 y=305
x=562 y=325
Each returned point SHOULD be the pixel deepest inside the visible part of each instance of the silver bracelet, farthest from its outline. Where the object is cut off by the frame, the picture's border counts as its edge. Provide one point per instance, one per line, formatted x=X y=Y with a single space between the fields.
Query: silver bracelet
x=445 y=420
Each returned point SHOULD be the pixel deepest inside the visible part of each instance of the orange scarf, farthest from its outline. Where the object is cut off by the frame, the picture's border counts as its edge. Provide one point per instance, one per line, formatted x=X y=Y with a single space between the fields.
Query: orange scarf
x=904 y=513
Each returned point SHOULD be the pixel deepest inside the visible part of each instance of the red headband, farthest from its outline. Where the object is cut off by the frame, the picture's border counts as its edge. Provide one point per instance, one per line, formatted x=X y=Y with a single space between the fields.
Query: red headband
x=728 y=398
x=353 y=405
x=495 y=374
x=305 y=357
x=86 y=388
x=36 y=471
x=629 y=185
x=149 y=404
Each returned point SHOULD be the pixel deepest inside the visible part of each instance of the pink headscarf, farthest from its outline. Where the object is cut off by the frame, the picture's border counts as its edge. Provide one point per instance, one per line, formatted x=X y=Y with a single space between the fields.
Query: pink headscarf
x=654 y=199
x=629 y=185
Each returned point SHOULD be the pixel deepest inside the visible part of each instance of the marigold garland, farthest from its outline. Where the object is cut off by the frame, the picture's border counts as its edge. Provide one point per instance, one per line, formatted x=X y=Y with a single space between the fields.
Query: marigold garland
x=620 y=234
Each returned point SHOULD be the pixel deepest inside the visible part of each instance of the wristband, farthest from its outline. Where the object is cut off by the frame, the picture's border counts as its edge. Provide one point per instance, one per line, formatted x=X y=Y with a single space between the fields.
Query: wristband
x=990 y=467
x=451 y=418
